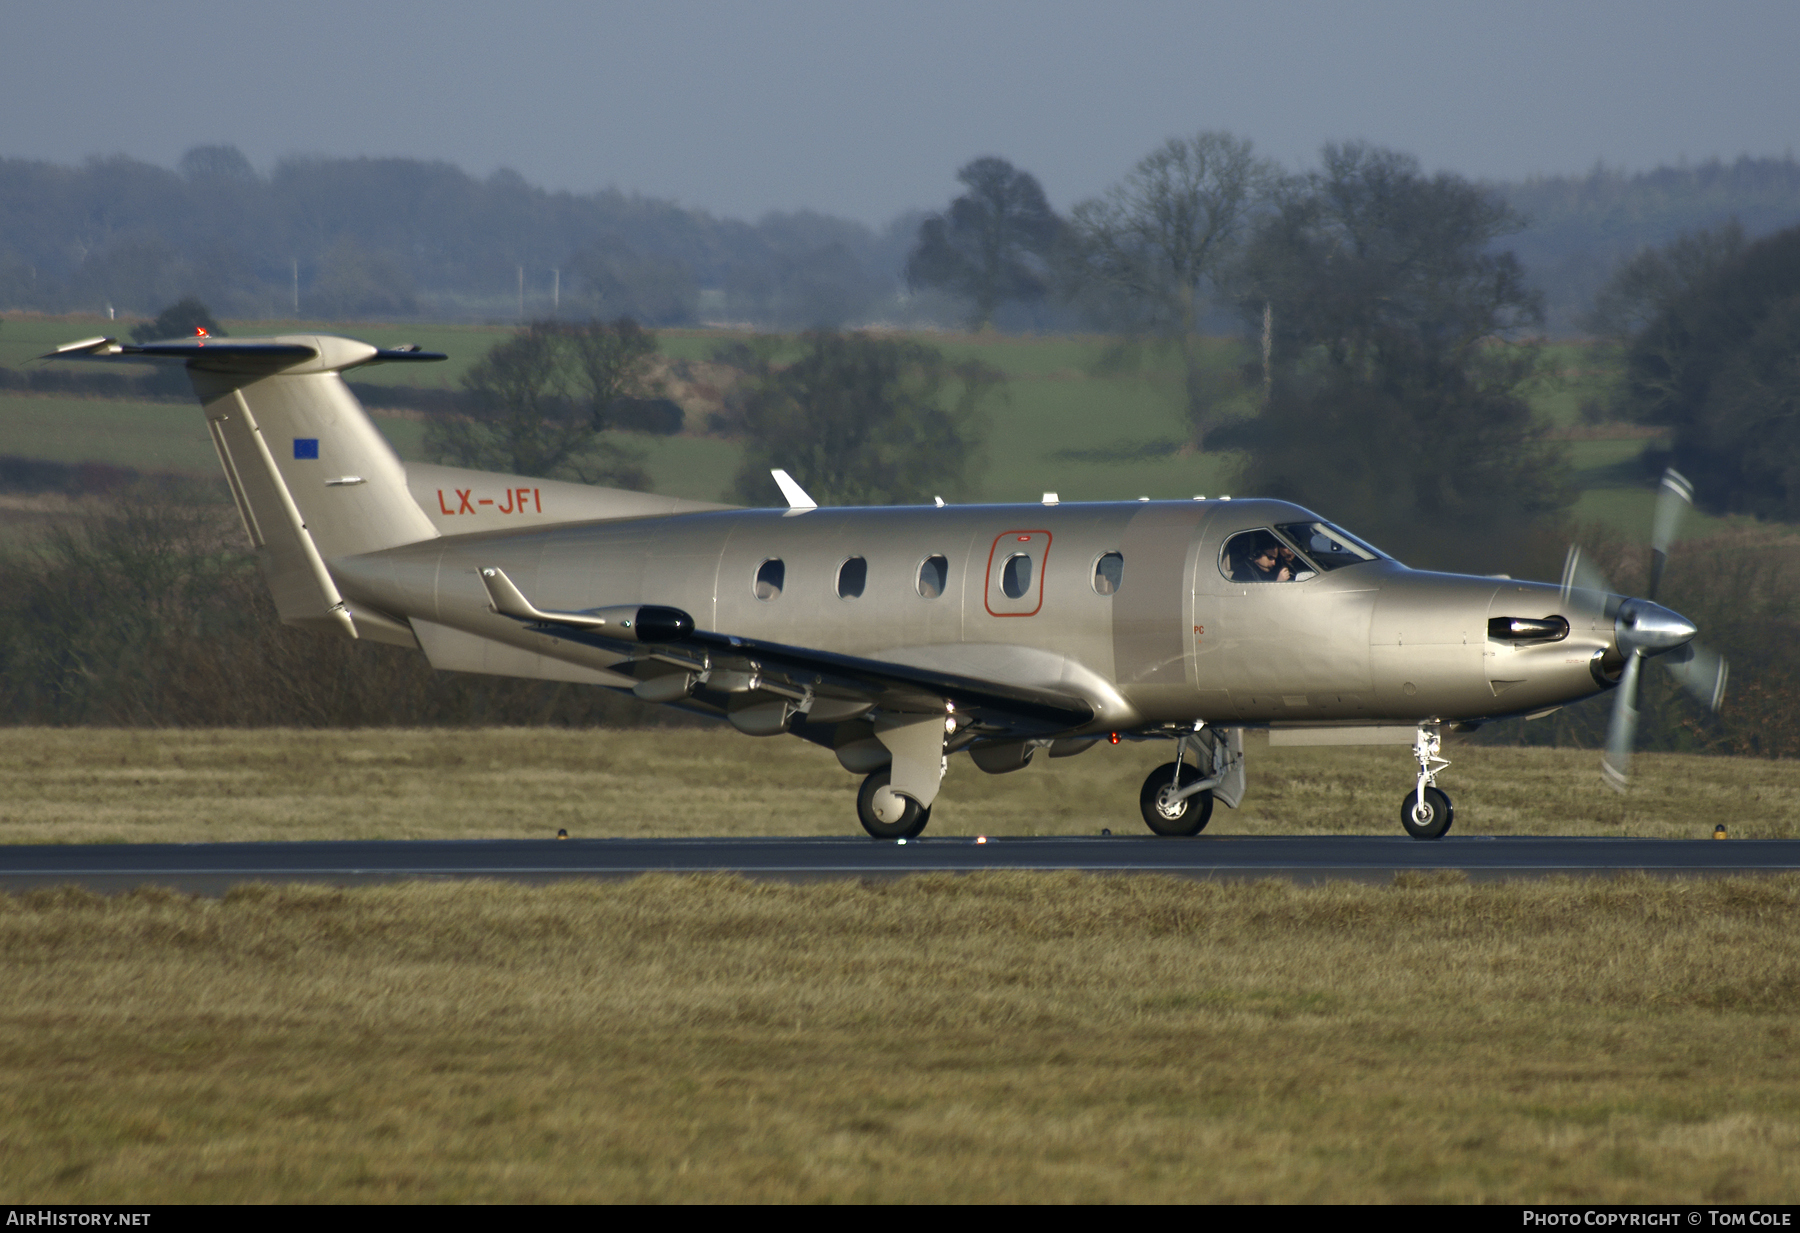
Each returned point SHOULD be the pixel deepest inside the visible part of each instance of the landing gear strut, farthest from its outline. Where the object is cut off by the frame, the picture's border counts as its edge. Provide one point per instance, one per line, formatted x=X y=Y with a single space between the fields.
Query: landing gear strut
x=1426 y=812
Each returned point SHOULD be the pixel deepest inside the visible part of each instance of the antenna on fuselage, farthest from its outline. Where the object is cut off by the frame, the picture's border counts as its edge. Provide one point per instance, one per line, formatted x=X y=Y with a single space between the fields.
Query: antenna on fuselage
x=790 y=488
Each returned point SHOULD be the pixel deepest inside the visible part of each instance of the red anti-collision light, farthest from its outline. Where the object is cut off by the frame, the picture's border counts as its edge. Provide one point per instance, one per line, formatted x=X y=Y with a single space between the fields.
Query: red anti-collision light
x=1115 y=738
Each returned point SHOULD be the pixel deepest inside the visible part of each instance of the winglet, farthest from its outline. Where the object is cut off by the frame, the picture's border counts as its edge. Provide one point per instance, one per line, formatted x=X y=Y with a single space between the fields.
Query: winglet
x=796 y=495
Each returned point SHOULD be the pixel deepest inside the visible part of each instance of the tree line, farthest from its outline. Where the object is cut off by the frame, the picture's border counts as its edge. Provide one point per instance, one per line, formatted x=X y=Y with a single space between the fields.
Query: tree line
x=387 y=238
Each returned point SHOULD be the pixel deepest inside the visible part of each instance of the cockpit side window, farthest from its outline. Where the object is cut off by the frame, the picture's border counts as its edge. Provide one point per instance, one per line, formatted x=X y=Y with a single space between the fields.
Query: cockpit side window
x=1263 y=556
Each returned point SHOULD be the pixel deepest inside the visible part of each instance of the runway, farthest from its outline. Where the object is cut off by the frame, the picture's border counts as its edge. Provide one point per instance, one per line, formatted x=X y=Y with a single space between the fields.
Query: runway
x=211 y=869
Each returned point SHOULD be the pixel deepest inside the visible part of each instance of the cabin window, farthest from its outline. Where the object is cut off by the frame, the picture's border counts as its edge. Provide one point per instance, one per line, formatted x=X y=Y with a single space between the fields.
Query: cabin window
x=1109 y=573
x=853 y=576
x=770 y=576
x=934 y=576
x=1015 y=578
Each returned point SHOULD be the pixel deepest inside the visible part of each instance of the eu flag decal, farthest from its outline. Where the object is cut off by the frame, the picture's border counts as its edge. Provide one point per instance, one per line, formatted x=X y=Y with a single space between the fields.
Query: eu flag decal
x=306 y=447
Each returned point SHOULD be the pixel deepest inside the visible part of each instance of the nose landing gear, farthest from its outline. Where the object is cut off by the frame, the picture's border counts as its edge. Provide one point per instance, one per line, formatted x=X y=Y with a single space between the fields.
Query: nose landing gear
x=1426 y=812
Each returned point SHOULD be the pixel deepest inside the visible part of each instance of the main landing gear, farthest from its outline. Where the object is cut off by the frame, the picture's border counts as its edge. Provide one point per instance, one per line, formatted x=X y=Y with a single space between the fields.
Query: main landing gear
x=885 y=813
x=1426 y=812
x=1170 y=811
x=1177 y=799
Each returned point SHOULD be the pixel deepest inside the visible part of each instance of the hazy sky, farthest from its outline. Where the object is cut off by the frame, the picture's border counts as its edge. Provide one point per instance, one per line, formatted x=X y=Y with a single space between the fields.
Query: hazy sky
x=866 y=109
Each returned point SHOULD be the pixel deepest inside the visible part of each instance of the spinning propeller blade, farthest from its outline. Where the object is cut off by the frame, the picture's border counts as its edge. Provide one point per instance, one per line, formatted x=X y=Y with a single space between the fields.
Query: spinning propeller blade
x=1621 y=734
x=1674 y=497
x=1701 y=671
x=1643 y=629
x=1584 y=587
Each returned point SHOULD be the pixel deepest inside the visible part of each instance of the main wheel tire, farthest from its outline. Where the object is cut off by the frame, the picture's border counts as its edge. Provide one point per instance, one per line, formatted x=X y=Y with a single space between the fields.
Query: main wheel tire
x=918 y=828
x=1430 y=821
x=1184 y=817
x=911 y=820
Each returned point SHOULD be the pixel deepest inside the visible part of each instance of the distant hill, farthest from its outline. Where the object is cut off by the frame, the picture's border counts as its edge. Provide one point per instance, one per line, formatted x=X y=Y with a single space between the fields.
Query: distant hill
x=391 y=238
x=1580 y=226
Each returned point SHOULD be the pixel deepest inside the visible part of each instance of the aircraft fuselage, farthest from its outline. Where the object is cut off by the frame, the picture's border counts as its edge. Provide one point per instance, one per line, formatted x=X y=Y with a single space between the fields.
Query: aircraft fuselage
x=1175 y=639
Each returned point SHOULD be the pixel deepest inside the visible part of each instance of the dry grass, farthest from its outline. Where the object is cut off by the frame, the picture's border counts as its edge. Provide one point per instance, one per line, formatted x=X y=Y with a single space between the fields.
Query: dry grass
x=999 y=1037
x=137 y=785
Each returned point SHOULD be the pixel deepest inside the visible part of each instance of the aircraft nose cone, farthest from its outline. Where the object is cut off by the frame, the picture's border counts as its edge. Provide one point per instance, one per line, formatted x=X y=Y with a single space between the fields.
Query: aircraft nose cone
x=1645 y=628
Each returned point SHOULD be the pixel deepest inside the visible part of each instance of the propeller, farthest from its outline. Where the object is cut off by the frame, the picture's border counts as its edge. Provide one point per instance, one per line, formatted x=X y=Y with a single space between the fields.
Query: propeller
x=1643 y=629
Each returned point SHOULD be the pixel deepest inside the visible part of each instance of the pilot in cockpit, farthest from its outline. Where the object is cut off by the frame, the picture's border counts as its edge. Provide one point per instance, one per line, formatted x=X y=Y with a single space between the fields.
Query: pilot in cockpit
x=1261 y=562
x=1296 y=566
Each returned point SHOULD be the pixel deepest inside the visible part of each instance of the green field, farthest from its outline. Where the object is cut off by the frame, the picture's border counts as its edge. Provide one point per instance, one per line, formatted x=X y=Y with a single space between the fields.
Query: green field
x=1067 y=423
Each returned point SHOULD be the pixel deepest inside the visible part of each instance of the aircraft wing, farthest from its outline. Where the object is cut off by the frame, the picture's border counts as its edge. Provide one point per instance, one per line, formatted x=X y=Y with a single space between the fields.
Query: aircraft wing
x=664 y=641
x=992 y=705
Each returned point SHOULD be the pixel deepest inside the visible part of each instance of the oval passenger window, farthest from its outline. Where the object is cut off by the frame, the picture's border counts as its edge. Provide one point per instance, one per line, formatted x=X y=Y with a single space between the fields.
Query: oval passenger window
x=1015 y=580
x=769 y=578
x=853 y=575
x=1109 y=573
x=934 y=576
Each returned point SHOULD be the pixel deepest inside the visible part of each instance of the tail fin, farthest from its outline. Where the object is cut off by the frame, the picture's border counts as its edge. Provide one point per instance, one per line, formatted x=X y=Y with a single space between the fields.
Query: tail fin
x=312 y=476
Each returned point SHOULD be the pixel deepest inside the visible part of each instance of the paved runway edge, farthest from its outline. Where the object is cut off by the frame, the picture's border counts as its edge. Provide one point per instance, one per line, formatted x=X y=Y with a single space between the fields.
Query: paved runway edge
x=212 y=869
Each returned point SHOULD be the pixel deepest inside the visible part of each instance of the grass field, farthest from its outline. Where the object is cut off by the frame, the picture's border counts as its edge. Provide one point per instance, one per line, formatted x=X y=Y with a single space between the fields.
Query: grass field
x=82 y=785
x=1067 y=423
x=996 y=1038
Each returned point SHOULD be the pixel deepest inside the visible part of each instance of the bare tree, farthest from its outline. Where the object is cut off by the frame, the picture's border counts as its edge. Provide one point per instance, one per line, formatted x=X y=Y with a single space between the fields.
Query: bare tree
x=1155 y=246
x=539 y=402
x=612 y=361
x=860 y=420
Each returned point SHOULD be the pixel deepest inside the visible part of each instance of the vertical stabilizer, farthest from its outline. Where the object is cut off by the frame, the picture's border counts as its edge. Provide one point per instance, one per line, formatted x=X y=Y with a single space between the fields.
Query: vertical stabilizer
x=313 y=477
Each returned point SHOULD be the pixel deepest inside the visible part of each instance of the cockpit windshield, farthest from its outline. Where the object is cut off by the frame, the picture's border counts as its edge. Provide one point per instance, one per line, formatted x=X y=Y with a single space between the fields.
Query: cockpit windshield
x=1328 y=546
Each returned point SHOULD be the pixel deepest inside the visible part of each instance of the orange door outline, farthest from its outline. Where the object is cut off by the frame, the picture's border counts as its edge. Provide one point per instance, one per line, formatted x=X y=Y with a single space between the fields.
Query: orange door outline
x=987 y=581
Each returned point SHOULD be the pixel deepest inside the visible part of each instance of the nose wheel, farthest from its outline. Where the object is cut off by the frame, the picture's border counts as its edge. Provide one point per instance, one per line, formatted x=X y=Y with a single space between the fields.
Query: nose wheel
x=1428 y=818
x=1425 y=812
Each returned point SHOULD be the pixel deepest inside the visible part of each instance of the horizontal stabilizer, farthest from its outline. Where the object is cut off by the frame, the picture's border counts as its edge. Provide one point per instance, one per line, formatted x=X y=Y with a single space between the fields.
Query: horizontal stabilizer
x=322 y=352
x=264 y=353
